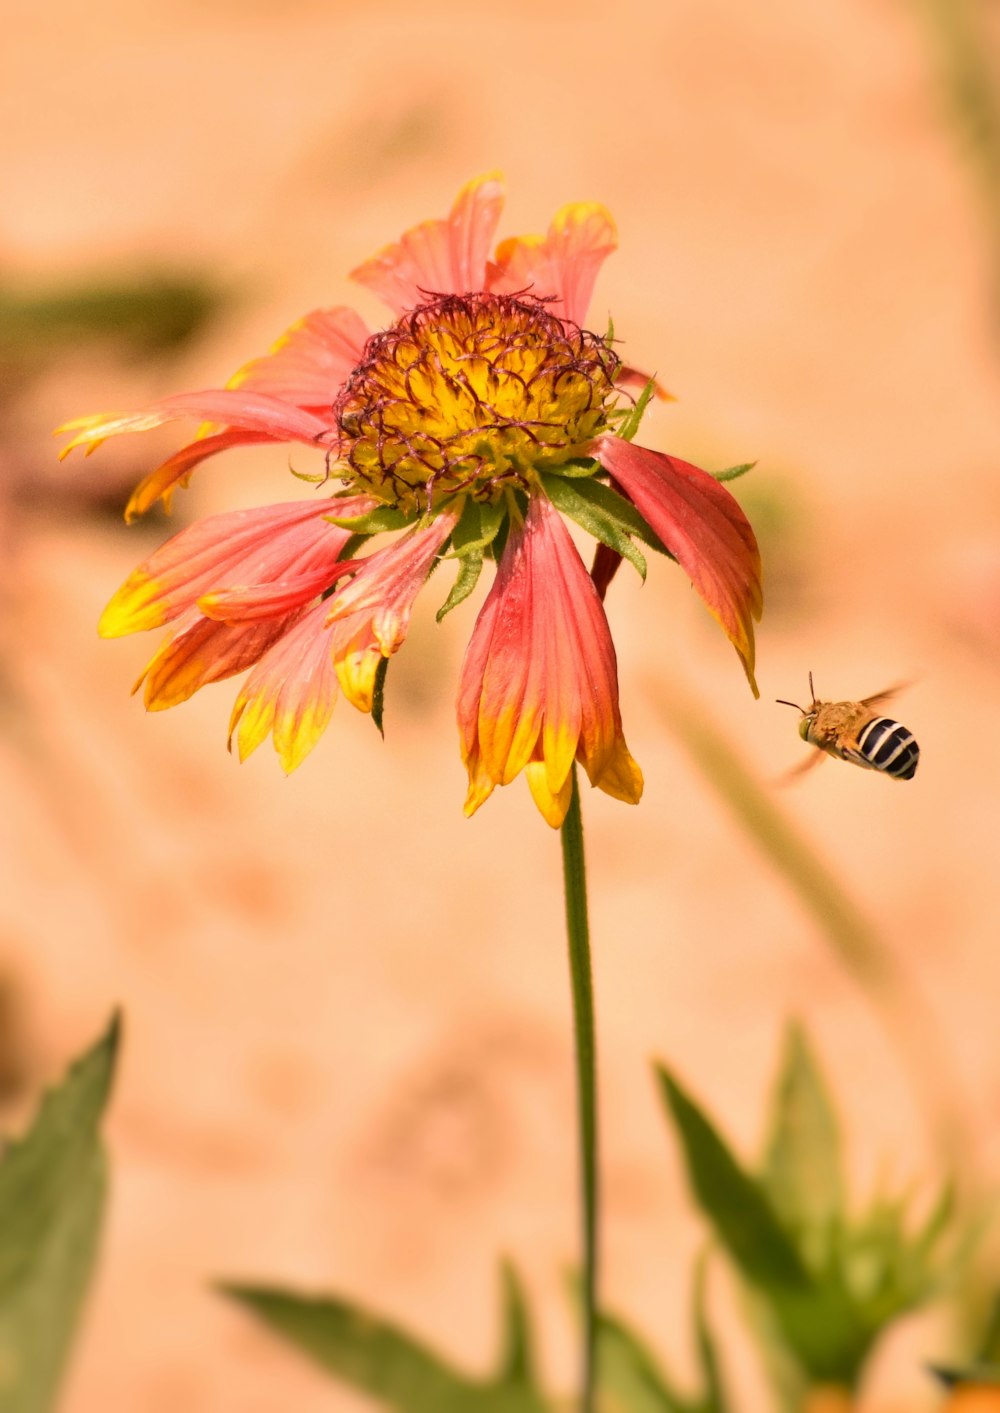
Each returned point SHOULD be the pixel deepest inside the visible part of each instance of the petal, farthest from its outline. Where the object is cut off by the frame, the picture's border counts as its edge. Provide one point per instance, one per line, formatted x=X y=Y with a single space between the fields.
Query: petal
x=310 y=363
x=290 y=693
x=564 y=264
x=273 y=599
x=539 y=684
x=371 y=614
x=251 y=412
x=387 y=583
x=439 y=257
x=176 y=470
x=702 y=526
x=200 y=652
x=239 y=548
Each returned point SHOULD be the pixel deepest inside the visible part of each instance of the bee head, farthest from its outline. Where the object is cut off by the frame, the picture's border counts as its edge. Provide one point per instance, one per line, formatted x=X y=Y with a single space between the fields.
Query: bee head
x=808 y=713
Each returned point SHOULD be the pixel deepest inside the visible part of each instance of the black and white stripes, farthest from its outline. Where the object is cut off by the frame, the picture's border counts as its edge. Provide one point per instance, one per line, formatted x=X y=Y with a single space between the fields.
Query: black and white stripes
x=885 y=745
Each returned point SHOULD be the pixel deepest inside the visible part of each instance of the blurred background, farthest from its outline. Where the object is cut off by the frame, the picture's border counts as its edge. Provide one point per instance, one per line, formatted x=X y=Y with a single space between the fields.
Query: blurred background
x=347 y=1059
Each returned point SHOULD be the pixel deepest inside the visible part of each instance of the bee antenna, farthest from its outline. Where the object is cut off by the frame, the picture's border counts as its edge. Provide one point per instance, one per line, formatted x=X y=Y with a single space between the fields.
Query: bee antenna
x=812 y=689
x=781 y=702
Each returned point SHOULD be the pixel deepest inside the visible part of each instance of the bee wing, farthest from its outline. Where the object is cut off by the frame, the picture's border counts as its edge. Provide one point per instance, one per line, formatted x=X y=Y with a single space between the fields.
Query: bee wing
x=811 y=761
x=885 y=696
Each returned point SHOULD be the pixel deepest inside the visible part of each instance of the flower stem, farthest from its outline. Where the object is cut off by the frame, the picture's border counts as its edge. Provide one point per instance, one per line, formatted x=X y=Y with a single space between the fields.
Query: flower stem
x=578 y=935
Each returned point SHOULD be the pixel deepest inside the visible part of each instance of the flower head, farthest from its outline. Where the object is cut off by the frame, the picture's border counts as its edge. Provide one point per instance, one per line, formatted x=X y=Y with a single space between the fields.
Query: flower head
x=485 y=413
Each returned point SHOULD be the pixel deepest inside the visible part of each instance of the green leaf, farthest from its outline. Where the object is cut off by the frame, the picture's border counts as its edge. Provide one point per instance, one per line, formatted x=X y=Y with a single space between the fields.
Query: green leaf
x=52 y=1192
x=715 y=1400
x=731 y=472
x=516 y=1357
x=601 y=512
x=822 y=1325
x=378 y=694
x=382 y=519
x=629 y=1378
x=802 y=1161
x=380 y=1359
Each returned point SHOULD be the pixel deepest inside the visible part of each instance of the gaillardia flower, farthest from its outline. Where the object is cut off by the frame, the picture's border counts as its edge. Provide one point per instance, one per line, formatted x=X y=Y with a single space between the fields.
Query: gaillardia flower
x=467 y=430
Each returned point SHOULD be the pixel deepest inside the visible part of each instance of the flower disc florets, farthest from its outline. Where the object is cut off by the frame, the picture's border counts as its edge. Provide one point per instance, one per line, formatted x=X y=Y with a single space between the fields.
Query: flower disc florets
x=471 y=392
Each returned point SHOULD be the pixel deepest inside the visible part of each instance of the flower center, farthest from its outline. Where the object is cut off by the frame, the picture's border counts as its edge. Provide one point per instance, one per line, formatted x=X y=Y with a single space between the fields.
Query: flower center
x=471 y=392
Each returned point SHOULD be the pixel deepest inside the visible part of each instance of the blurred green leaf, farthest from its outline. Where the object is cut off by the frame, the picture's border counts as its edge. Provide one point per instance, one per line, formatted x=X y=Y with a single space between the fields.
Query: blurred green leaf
x=52 y=1191
x=382 y=1360
x=152 y=312
x=631 y=1381
x=817 y=1318
x=802 y=1161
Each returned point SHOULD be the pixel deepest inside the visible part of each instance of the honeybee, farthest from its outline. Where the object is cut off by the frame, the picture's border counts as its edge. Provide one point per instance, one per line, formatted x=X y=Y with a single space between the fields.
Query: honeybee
x=856 y=732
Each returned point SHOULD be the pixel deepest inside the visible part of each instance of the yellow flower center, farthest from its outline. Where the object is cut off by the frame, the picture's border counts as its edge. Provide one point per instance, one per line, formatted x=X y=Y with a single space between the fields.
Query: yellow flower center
x=471 y=392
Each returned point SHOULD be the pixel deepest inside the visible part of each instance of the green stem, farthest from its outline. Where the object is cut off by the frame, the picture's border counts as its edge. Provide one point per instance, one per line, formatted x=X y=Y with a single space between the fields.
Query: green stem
x=578 y=935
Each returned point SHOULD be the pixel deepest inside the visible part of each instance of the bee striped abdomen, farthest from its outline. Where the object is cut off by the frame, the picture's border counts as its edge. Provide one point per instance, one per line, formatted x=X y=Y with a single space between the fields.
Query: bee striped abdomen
x=886 y=745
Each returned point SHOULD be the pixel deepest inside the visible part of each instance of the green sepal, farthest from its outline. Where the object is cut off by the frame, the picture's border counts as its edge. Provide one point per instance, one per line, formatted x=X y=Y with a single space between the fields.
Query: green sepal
x=470 y=566
x=378 y=694
x=578 y=468
x=374 y=522
x=731 y=472
x=629 y=424
x=478 y=526
x=604 y=514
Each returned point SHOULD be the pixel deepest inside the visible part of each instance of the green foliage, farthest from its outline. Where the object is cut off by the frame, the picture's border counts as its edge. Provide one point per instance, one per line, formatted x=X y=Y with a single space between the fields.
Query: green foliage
x=52 y=1192
x=403 y=1374
x=604 y=514
x=477 y=528
x=630 y=1380
x=378 y=694
x=381 y=520
x=732 y=472
x=631 y=419
x=823 y=1287
x=153 y=313
x=802 y=1170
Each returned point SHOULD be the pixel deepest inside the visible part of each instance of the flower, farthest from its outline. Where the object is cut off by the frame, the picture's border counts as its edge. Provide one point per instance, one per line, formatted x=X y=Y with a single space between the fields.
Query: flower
x=485 y=413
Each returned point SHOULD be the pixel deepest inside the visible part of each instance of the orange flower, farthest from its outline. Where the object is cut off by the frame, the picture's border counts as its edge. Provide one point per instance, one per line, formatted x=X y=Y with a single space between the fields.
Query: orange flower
x=484 y=413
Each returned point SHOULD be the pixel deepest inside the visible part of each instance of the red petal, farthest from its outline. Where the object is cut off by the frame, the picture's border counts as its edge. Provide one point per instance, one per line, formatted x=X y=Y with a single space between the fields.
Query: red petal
x=442 y=256
x=702 y=526
x=539 y=684
x=565 y=263
x=310 y=363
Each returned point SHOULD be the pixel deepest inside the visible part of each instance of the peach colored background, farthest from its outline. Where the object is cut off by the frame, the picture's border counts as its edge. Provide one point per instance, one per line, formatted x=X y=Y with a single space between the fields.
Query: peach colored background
x=348 y=1061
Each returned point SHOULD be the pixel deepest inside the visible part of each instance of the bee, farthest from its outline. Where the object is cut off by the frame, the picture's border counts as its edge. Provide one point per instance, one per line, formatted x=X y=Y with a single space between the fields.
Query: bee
x=855 y=731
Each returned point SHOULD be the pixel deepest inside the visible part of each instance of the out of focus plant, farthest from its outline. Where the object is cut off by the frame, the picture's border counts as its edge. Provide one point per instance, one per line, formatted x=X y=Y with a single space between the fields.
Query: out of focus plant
x=52 y=1195
x=405 y=1375
x=402 y=1373
x=632 y=1380
x=823 y=1284
x=149 y=314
